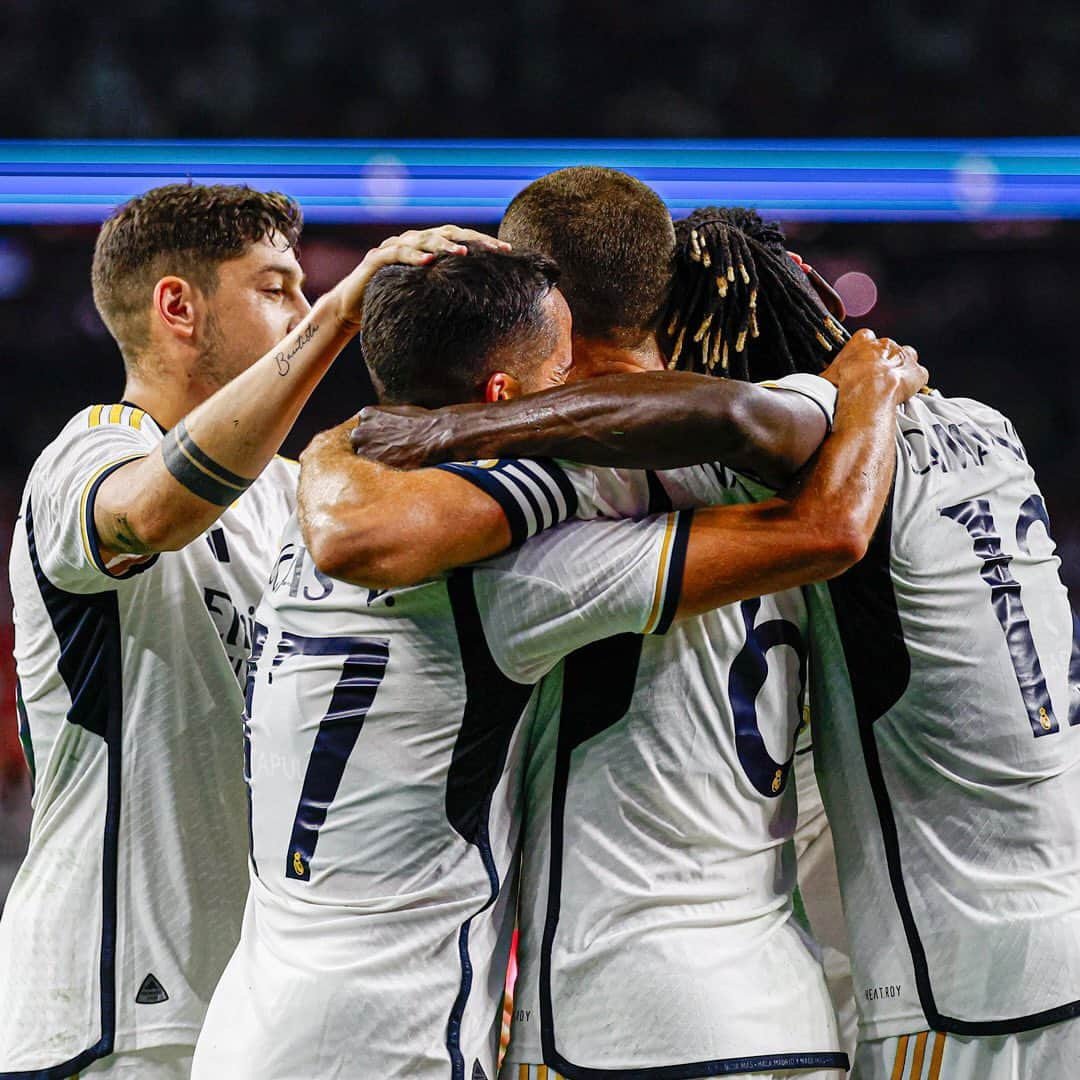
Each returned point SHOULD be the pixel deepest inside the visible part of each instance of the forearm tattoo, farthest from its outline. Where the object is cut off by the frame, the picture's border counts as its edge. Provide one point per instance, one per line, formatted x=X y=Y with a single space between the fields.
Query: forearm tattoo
x=198 y=472
x=284 y=359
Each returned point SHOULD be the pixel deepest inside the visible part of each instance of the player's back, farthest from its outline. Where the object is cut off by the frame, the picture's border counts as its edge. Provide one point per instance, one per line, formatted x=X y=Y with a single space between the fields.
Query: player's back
x=385 y=737
x=383 y=830
x=656 y=919
x=944 y=717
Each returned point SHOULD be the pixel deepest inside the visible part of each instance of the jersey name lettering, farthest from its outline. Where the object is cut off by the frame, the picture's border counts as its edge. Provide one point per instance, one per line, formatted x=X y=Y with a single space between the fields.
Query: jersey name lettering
x=952 y=446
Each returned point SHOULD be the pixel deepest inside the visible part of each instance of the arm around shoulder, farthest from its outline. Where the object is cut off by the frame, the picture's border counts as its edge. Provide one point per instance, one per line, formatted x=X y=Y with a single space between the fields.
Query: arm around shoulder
x=825 y=524
x=374 y=526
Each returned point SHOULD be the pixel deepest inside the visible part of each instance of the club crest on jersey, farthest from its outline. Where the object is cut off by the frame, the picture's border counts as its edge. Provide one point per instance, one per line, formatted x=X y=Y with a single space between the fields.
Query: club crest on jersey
x=299 y=868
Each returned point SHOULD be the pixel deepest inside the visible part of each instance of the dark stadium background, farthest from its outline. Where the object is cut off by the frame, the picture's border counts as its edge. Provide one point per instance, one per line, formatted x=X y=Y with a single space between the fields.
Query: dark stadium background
x=992 y=306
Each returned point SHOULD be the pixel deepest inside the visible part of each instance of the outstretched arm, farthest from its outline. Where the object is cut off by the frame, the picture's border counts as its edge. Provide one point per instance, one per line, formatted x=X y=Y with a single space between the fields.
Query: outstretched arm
x=162 y=501
x=654 y=420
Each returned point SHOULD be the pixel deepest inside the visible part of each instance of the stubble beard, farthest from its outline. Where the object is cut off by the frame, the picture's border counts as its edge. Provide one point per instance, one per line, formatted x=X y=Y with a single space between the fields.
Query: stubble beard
x=218 y=364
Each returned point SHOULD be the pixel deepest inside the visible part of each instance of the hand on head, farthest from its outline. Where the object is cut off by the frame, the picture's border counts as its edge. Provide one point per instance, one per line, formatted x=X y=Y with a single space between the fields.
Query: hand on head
x=413 y=248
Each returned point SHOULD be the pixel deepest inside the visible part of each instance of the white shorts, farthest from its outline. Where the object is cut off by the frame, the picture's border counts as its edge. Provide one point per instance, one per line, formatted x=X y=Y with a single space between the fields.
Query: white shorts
x=1049 y=1053
x=154 y=1063
x=516 y=1071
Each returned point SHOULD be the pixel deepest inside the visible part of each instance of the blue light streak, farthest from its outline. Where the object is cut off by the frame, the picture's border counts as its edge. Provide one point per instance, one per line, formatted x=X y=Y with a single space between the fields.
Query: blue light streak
x=434 y=181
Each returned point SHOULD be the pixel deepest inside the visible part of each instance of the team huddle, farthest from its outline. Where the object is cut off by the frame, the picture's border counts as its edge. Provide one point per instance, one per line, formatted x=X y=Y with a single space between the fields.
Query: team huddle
x=638 y=541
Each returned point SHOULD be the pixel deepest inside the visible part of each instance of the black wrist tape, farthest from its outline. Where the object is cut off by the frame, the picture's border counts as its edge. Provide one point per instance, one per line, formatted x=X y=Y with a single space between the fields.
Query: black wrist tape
x=199 y=473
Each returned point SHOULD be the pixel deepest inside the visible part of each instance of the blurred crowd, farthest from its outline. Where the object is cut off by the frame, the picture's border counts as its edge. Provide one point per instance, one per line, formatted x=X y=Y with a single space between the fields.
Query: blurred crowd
x=519 y=68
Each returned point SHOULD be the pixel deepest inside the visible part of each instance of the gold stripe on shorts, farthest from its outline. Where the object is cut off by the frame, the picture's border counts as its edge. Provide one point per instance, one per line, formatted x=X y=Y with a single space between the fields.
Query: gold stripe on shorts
x=938 y=1054
x=901 y=1058
x=917 y=1058
x=538 y=1072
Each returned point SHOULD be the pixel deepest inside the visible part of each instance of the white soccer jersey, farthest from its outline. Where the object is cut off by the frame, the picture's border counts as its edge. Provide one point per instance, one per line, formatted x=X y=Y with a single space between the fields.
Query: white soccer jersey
x=129 y=901
x=657 y=937
x=945 y=721
x=385 y=740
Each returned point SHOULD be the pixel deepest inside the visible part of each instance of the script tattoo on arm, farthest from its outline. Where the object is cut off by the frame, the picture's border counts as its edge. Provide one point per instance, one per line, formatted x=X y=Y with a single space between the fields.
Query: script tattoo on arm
x=284 y=358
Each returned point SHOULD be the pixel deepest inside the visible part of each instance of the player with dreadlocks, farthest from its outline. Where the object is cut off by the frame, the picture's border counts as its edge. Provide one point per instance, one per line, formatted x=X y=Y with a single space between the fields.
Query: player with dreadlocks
x=945 y=678
x=737 y=291
x=743 y=306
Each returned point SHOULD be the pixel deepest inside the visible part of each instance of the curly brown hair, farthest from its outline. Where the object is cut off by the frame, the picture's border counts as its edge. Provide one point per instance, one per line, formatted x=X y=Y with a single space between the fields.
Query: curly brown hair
x=182 y=229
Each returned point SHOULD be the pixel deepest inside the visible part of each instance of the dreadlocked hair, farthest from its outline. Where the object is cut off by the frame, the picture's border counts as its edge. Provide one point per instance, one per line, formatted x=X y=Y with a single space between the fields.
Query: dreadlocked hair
x=739 y=305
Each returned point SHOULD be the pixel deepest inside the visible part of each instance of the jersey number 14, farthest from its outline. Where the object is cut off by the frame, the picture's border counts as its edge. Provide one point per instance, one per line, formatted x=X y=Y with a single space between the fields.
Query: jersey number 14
x=1005 y=595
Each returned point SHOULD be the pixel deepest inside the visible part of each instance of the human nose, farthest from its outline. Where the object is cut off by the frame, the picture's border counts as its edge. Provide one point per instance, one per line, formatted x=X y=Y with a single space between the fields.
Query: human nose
x=300 y=308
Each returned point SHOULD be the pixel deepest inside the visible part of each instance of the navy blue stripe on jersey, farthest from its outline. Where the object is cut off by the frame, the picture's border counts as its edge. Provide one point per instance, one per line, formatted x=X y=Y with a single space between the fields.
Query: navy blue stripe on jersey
x=659 y=499
x=555 y=474
x=534 y=495
x=88 y=630
x=879 y=669
x=675 y=570
x=92 y=533
x=258 y=643
x=591 y=706
x=493 y=708
x=1074 y=674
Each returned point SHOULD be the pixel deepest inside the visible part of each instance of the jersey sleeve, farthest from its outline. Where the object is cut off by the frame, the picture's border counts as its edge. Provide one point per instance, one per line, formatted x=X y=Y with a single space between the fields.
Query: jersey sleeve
x=534 y=493
x=577 y=584
x=63 y=488
x=820 y=391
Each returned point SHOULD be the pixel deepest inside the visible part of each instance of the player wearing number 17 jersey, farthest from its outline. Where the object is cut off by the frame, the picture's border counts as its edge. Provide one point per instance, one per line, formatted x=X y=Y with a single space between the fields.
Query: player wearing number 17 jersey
x=385 y=735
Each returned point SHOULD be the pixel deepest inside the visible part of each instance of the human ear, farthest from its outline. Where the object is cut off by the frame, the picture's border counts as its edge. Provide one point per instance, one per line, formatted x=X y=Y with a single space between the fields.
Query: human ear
x=174 y=306
x=501 y=386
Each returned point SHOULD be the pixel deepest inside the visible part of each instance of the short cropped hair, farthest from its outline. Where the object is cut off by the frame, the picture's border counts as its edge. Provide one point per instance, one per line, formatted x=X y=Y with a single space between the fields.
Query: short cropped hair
x=432 y=335
x=613 y=239
x=182 y=229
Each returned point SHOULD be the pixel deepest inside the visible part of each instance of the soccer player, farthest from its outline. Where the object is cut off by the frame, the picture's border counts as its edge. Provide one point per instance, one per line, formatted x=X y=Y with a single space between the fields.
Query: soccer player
x=659 y=813
x=146 y=532
x=945 y=691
